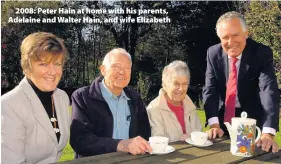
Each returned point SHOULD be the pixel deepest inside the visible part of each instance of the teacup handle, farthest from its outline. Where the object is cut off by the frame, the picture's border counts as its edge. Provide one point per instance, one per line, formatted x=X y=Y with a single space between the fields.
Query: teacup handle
x=259 y=134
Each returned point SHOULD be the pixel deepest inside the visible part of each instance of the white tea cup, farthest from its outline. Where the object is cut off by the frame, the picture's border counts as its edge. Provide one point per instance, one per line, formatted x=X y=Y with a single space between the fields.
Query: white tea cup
x=158 y=143
x=199 y=138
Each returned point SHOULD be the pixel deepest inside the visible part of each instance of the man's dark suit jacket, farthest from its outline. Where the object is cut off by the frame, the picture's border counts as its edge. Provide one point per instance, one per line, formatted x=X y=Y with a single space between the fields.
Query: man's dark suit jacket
x=257 y=86
x=92 y=121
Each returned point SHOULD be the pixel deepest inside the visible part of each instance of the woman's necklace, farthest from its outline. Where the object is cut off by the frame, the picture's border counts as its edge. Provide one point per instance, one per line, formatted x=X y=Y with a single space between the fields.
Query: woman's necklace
x=53 y=118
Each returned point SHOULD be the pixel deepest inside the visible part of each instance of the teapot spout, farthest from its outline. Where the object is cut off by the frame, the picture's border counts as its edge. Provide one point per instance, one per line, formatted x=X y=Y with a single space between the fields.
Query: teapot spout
x=229 y=128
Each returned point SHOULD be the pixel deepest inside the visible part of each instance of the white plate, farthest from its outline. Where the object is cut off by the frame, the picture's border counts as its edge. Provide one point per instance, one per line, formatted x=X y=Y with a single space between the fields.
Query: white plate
x=169 y=149
x=207 y=143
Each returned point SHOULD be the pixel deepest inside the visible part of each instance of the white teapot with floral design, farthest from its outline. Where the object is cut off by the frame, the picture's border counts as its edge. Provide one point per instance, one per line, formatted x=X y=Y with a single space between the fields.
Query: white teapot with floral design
x=243 y=135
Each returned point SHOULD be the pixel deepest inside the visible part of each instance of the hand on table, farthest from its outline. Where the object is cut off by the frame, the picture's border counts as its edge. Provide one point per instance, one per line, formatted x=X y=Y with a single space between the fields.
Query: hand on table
x=183 y=137
x=214 y=131
x=266 y=141
x=135 y=146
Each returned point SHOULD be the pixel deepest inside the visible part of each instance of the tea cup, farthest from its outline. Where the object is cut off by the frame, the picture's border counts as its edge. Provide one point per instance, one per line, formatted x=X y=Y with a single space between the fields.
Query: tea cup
x=158 y=143
x=199 y=138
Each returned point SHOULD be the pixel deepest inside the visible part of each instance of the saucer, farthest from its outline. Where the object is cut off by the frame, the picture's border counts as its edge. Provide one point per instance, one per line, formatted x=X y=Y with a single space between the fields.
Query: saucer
x=207 y=143
x=169 y=149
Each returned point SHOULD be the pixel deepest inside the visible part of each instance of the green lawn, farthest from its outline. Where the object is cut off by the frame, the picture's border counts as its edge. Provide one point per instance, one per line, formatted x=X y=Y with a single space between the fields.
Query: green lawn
x=69 y=155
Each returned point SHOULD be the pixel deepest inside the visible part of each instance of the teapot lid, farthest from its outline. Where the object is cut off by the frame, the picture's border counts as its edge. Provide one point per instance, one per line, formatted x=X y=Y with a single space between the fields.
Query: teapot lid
x=244 y=115
x=244 y=118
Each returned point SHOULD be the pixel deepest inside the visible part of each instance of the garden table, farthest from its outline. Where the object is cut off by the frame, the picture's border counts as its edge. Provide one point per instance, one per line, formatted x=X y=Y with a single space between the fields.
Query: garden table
x=184 y=153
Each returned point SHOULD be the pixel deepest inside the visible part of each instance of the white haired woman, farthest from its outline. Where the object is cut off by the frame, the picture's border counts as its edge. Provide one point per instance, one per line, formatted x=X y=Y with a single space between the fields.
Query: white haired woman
x=172 y=114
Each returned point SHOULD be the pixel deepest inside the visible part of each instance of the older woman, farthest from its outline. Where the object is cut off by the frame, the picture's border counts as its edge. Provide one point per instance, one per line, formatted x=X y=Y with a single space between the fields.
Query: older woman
x=35 y=117
x=172 y=114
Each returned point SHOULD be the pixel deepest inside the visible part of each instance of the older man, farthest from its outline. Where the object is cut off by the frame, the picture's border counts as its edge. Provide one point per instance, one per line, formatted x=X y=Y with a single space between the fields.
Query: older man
x=240 y=77
x=108 y=116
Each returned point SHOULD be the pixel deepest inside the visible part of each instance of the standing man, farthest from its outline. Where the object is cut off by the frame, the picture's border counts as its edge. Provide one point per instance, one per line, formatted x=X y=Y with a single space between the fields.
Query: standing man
x=108 y=116
x=240 y=77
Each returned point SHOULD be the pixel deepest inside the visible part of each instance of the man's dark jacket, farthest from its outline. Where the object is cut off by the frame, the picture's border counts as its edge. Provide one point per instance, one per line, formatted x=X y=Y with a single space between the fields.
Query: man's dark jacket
x=92 y=121
x=257 y=85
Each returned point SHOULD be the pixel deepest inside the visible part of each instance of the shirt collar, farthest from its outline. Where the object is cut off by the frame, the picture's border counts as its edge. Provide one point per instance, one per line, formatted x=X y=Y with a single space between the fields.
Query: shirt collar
x=108 y=93
x=238 y=57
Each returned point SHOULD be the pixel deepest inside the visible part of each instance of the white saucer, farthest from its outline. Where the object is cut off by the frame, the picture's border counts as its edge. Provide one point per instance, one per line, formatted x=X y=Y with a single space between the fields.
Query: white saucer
x=207 y=143
x=169 y=149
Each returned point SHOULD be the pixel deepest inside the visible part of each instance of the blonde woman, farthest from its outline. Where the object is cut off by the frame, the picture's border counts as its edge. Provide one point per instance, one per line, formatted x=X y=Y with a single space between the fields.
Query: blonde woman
x=34 y=117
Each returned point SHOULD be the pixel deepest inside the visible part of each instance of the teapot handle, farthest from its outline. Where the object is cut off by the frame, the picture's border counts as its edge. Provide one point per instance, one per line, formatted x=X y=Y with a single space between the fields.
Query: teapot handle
x=259 y=134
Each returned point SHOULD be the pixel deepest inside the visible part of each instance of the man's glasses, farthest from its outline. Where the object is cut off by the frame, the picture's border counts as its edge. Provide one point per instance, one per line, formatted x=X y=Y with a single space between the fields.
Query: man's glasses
x=118 y=67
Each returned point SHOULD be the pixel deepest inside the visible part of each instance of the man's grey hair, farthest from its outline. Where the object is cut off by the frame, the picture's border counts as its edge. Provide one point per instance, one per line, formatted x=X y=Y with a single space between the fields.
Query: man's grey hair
x=232 y=15
x=175 y=68
x=107 y=58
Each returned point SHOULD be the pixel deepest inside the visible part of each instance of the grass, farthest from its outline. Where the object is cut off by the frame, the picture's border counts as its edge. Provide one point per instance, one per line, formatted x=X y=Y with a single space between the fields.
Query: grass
x=69 y=155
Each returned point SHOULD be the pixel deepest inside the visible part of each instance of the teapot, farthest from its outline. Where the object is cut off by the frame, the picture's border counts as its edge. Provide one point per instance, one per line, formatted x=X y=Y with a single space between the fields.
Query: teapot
x=243 y=135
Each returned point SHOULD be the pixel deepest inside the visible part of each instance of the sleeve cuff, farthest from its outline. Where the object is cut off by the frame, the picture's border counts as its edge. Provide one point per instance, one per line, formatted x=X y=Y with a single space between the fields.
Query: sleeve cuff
x=268 y=130
x=213 y=120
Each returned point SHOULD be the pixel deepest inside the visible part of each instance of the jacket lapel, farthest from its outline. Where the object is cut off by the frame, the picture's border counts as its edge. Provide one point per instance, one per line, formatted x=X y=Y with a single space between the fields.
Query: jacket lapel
x=164 y=106
x=38 y=109
x=59 y=117
x=244 y=67
x=223 y=65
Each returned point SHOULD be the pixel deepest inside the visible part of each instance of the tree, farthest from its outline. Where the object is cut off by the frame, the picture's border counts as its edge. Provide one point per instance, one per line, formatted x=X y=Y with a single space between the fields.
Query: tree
x=14 y=33
x=264 y=23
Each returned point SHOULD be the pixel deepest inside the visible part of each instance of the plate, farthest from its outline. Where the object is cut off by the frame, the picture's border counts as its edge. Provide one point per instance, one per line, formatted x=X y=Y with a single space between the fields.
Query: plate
x=207 y=143
x=169 y=149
